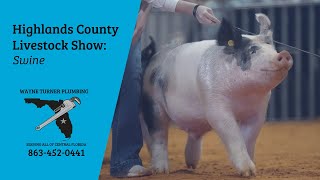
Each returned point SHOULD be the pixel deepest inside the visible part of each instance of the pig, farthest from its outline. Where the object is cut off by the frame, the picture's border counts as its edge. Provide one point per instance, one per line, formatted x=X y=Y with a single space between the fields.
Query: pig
x=222 y=85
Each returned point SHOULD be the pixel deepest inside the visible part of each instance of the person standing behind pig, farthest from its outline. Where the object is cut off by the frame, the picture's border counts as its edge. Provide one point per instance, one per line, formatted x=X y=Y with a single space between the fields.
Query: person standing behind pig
x=127 y=138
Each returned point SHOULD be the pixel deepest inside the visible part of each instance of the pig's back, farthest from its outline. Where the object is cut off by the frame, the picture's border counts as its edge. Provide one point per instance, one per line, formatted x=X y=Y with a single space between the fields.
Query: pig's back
x=177 y=65
x=187 y=61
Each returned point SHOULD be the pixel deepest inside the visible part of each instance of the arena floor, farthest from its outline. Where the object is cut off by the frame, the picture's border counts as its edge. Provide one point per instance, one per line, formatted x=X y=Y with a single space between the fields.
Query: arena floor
x=286 y=150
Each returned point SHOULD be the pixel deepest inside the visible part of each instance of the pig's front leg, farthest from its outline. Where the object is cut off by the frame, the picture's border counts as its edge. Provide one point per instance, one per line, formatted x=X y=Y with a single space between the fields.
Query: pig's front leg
x=250 y=131
x=251 y=128
x=224 y=123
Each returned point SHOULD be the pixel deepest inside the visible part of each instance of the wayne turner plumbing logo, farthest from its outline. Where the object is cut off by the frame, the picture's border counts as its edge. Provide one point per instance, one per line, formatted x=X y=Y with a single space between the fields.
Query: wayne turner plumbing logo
x=61 y=116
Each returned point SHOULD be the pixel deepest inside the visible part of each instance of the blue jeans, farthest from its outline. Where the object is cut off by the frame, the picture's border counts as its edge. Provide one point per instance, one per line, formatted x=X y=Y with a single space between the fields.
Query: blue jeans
x=127 y=138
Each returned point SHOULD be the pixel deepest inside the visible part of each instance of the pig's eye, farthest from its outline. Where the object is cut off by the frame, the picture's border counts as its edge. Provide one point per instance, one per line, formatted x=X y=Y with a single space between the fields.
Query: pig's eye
x=253 y=49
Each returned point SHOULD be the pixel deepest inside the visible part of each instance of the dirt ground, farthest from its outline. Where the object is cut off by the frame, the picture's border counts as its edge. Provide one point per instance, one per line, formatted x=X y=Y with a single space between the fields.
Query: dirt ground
x=286 y=150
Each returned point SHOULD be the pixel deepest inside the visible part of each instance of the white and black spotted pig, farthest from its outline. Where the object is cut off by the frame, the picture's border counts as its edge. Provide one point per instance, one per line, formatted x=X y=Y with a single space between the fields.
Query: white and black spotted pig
x=222 y=84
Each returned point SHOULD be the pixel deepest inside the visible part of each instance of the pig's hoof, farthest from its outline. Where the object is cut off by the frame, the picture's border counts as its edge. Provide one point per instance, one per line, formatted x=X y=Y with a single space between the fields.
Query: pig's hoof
x=248 y=169
x=248 y=173
x=192 y=162
x=191 y=165
x=160 y=167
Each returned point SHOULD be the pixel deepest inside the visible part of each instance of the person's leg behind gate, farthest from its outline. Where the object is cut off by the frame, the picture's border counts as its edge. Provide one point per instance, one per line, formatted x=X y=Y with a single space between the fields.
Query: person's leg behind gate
x=127 y=138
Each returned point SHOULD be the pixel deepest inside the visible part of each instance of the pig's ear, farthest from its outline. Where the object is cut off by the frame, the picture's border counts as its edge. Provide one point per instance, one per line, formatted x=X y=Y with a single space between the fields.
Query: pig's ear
x=265 y=28
x=228 y=36
x=264 y=22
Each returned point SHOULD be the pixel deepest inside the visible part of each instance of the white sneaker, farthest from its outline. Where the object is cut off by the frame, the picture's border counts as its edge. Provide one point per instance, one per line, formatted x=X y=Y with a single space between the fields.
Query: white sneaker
x=137 y=171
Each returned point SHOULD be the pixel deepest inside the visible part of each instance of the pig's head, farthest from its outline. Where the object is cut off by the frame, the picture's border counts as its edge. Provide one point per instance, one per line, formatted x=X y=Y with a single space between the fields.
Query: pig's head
x=255 y=57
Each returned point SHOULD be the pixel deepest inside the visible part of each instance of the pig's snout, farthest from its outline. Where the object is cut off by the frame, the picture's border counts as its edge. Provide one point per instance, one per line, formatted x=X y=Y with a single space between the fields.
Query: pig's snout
x=283 y=60
x=284 y=56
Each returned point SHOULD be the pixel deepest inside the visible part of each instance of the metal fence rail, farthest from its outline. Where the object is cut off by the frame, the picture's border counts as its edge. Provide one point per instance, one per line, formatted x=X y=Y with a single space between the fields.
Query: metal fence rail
x=298 y=97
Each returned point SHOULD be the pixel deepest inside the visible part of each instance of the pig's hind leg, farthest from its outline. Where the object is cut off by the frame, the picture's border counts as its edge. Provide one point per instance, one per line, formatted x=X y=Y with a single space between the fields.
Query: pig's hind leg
x=155 y=133
x=224 y=123
x=193 y=151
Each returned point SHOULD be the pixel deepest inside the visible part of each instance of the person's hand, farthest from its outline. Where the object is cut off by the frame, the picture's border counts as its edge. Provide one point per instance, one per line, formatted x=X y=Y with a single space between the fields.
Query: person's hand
x=205 y=15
